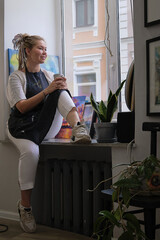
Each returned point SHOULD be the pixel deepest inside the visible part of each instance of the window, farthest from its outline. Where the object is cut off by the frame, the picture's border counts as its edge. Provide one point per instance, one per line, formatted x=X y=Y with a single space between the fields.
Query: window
x=126 y=41
x=88 y=65
x=84 y=13
x=85 y=84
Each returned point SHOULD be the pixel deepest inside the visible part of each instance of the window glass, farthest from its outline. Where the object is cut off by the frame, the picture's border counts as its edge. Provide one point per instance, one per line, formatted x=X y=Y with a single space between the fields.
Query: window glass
x=80 y=17
x=86 y=78
x=86 y=90
x=90 y=12
x=89 y=67
x=84 y=13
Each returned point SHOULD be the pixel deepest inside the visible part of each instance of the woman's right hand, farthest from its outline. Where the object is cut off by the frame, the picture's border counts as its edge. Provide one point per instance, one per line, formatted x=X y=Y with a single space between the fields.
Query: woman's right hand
x=58 y=83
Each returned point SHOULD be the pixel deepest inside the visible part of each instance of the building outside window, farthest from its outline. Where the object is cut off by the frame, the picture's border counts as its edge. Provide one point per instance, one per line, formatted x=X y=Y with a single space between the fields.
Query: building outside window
x=88 y=64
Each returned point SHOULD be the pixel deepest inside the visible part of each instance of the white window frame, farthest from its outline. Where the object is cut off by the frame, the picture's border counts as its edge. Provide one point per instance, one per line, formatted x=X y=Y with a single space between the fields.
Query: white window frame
x=93 y=28
x=94 y=68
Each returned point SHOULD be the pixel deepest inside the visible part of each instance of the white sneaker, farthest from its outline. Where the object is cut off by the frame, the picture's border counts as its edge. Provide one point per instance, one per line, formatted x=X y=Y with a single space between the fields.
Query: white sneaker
x=27 y=221
x=80 y=134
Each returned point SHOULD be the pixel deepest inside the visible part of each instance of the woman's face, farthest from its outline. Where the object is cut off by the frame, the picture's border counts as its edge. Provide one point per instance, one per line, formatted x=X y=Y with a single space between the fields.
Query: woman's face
x=38 y=53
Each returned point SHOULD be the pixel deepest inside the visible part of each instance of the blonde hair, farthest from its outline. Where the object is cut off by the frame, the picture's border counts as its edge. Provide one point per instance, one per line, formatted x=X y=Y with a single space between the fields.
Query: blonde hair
x=20 y=43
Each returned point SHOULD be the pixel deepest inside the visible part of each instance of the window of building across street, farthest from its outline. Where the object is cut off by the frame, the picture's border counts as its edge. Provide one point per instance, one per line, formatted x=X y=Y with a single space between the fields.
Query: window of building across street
x=84 y=13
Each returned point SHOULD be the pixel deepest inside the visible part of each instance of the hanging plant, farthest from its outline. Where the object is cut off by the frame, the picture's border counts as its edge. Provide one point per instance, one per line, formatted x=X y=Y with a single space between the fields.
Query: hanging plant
x=139 y=178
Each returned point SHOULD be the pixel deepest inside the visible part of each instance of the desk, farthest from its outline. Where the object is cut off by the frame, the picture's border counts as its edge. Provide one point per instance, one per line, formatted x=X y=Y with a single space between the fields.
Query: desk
x=65 y=172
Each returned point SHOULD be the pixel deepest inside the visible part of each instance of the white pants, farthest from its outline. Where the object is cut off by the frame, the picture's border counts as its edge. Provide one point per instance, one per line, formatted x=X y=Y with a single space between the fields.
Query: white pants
x=29 y=151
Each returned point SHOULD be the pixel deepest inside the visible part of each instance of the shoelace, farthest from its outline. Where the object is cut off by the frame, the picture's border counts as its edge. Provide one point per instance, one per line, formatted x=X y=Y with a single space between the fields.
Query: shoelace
x=82 y=128
x=28 y=214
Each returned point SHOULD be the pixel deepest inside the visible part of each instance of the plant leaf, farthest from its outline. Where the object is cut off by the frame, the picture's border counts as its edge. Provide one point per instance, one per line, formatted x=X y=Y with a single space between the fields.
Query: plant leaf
x=114 y=196
x=126 y=196
x=132 y=219
x=126 y=236
x=110 y=217
x=108 y=233
x=129 y=183
x=118 y=213
x=95 y=106
x=120 y=87
x=103 y=110
x=99 y=224
x=111 y=107
x=110 y=95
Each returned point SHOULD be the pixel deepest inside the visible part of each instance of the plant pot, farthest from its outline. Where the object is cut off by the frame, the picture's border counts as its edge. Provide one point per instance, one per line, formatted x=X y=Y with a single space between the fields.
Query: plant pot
x=105 y=132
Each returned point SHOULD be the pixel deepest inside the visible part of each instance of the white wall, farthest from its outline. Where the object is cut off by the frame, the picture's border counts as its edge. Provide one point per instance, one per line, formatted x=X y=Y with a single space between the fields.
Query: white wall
x=41 y=17
x=33 y=17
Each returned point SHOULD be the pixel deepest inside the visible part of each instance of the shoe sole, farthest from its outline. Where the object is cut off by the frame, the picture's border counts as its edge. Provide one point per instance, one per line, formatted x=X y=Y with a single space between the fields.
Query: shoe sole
x=26 y=230
x=82 y=140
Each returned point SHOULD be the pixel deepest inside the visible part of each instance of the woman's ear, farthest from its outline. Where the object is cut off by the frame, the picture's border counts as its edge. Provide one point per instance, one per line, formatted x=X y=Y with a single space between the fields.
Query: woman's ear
x=27 y=51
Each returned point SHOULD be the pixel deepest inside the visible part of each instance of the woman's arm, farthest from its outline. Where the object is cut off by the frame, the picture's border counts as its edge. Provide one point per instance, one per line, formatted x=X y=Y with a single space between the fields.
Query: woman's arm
x=26 y=105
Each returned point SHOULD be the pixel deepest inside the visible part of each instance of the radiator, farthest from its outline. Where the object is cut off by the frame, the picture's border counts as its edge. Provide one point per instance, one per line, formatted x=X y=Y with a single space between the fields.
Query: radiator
x=60 y=197
x=72 y=207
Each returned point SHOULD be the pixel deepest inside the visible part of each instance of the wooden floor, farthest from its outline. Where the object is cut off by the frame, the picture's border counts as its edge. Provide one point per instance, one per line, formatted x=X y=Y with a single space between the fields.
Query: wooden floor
x=43 y=233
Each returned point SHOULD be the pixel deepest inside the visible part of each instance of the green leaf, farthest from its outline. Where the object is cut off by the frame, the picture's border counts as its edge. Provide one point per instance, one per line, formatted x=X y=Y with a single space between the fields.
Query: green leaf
x=99 y=224
x=108 y=233
x=126 y=196
x=109 y=97
x=117 y=213
x=132 y=219
x=129 y=183
x=148 y=172
x=103 y=110
x=114 y=196
x=120 y=87
x=94 y=104
x=126 y=236
x=111 y=107
x=140 y=171
x=110 y=217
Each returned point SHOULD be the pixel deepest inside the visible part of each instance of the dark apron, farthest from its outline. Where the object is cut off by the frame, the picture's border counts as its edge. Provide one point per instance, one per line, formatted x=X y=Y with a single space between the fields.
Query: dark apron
x=34 y=124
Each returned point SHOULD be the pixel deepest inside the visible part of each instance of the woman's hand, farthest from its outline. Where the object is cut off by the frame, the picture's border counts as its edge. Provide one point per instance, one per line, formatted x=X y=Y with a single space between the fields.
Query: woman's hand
x=58 y=83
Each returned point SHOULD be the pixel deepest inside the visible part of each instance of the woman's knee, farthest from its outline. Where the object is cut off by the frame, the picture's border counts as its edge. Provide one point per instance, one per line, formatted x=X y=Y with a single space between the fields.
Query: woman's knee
x=30 y=151
x=65 y=104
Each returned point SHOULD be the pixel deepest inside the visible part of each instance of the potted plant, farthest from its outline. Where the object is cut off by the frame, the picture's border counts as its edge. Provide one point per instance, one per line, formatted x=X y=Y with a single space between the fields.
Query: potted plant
x=105 y=129
x=139 y=178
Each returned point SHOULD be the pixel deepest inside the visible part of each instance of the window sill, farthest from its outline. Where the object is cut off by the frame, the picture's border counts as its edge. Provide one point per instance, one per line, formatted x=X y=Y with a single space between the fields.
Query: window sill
x=94 y=143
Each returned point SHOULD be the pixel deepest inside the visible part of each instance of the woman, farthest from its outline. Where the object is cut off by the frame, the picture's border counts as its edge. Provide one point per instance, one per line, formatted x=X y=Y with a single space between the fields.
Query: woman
x=38 y=104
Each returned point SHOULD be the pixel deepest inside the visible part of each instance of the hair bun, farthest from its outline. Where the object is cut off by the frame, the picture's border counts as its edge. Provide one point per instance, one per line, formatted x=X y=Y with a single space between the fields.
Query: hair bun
x=18 y=40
